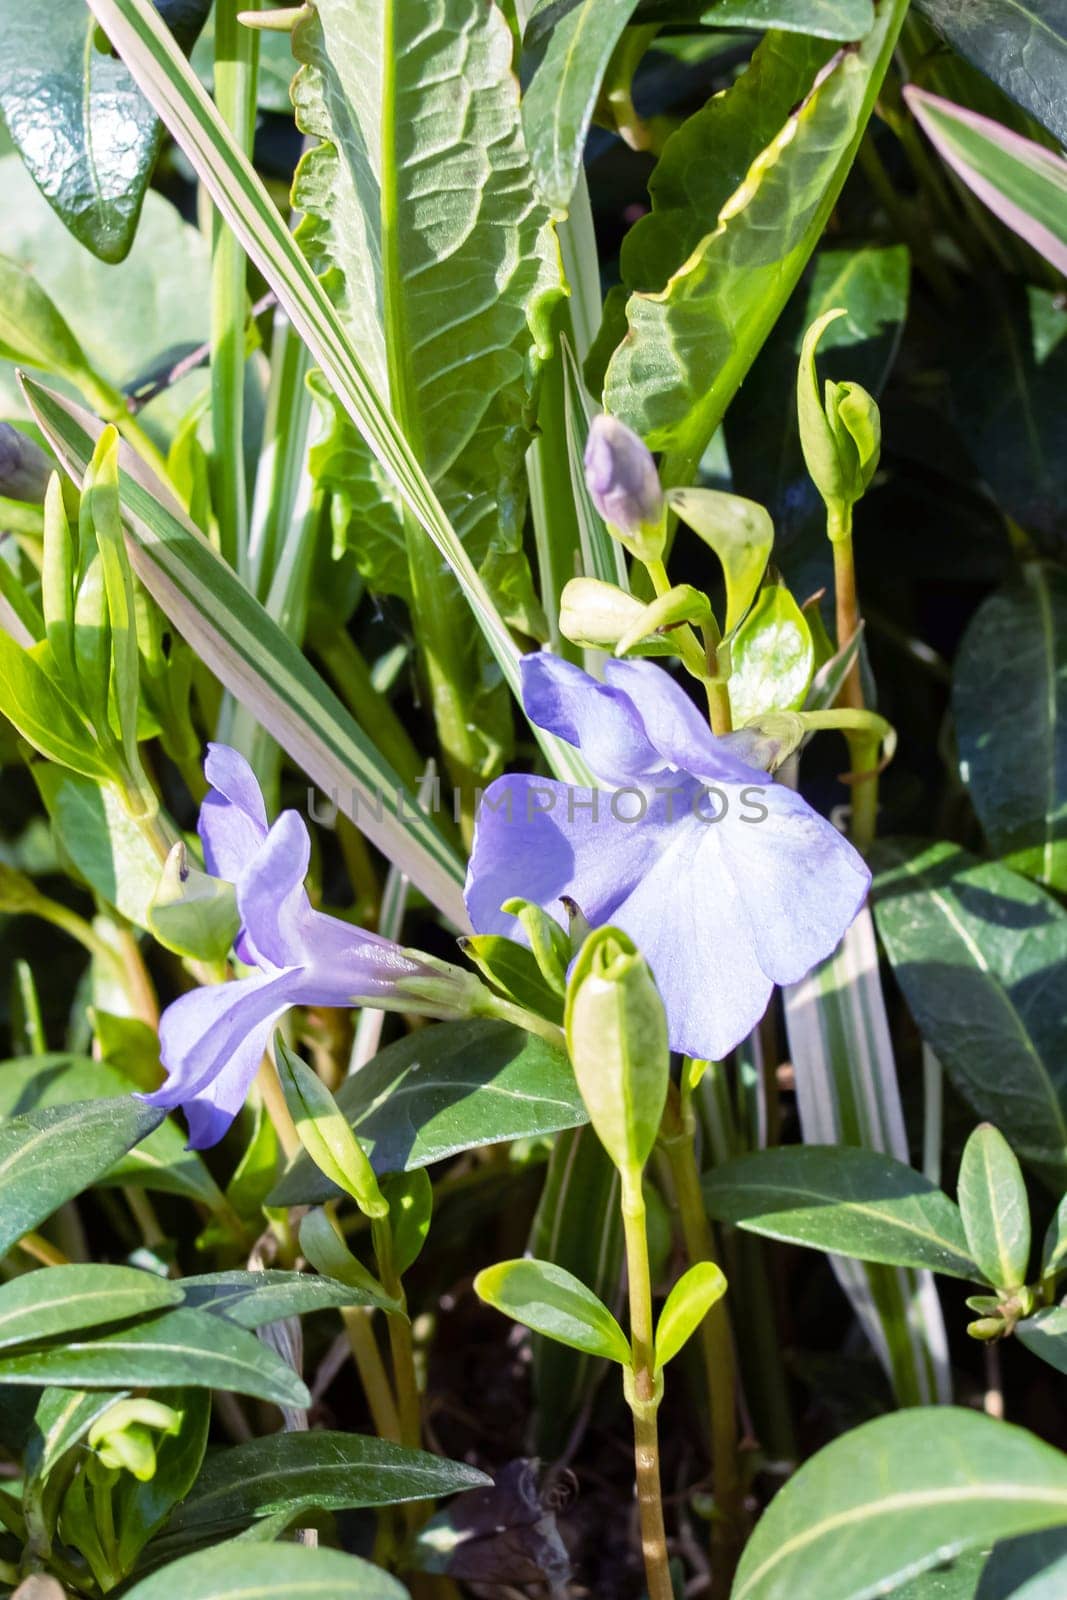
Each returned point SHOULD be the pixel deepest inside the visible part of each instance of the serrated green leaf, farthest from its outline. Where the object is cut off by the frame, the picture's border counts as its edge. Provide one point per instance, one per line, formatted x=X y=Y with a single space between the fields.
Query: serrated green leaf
x=556 y=1304
x=243 y=1571
x=994 y=1208
x=845 y=1200
x=1010 y=723
x=772 y=657
x=895 y=1497
x=176 y=1347
x=323 y=1470
x=42 y=1305
x=47 y=1157
x=972 y=945
x=453 y=1087
x=686 y=1307
x=727 y=240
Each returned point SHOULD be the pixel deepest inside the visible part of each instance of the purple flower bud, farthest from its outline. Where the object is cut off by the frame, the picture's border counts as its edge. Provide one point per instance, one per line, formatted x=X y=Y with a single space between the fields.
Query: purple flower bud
x=625 y=486
x=24 y=467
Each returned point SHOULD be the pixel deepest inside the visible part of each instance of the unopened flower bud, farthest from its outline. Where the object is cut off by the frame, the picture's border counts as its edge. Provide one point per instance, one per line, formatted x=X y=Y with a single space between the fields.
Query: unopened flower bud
x=595 y=613
x=623 y=481
x=24 y=467
x=123 y=1437
x=840 y=430
x=617 y=1037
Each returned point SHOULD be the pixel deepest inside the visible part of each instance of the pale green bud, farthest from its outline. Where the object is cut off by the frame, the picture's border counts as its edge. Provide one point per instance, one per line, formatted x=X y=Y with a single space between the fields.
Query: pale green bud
x=192 y=913
x=595 y=613
x=840 y=430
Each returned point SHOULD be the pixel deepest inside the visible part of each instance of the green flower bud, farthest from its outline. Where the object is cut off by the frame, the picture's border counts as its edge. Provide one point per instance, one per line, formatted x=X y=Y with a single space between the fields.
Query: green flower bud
x=123 y=1438
x=192 y=913
x=595 y=613
x=622 y=479
x=840 y=432
x=617 y=1037
x=987 y=1328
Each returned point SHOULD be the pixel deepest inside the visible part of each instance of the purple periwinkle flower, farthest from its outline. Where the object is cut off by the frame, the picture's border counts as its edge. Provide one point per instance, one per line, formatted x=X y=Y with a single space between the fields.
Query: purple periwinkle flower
x=727 y=882
x=622 y=479
x=212 y=1040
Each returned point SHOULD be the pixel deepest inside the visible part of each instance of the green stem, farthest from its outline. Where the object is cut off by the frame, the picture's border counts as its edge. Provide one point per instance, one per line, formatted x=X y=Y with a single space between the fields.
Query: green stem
x=716 y=1340
x=508 y=1011
x=401 y=1341
x=863 y=748
x=643 y=1399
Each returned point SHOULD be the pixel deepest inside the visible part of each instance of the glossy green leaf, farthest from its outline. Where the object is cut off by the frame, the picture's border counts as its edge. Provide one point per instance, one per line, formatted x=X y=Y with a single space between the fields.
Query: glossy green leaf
x=176 y=1347
x=1022 y=183
x=102 y=137
x=154 y=301
x=160 y=1161
x=726 y=241
x=1010 y=725
x=242 y=1571
x=254 y=1299
x=30 y=699
x=1020 y=44
x=1031 y=1568
x=319 y=1470
x=1046 y=1336
x=555 y=1303
x=825 y=19
x=846 y=1200
x=686 y=1307
x=994 y=1208
x=897 y=1496
x=560 y=99
x=48 y=1156
x=772 y=657
x=512 y=968
x=972 y=945
x=41 y=1305
x=453 y=1087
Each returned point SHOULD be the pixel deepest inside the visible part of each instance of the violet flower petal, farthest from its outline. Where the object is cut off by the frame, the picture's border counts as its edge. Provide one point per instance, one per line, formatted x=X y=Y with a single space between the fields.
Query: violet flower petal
x=233 y=818
x=600 y=720
x=204 y=1030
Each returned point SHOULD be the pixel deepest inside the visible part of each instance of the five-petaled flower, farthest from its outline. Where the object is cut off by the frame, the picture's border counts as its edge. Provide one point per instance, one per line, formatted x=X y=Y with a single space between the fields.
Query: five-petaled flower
x=212 y=1039
x=727 y=882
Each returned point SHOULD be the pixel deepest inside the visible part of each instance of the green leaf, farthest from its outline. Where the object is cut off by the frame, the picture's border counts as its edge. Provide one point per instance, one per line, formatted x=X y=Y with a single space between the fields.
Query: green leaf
x=410 y=1197
x=895 y=1497
x=824 y=19
x=32 y=330
x=1020 y=44
x=1031 y=1568
x=313 y=1471
x=1010 y=703
x=741 y=534
x=555 y=1303
x=848 y=1201
x=98 y=835
x=156 y=300
x=41 y=1305
x=323 y=1244
x=686 y=1307
x=772 y=657
x=512 y=968
x=726 y=241
x=994 y=1208
x=1022 y=183
x=160 y=1161
x=140 y=1509
x=972 y=945
x=177 y=1347
x=1054 y=1248
x=1046 y=1336
x=560 y=98
x=242 y=1571
x=453 y=1087
x=31 y=701
x=253 y=1299
x=81 y=124
x=325 y=1134
x=47 y=1157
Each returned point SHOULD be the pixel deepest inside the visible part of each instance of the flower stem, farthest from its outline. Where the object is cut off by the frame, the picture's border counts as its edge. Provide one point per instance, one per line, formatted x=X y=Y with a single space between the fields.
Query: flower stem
x=864 y=754
x=401 y=1343
x=372 y=1373
x=716 y=1341
x=641 y=1392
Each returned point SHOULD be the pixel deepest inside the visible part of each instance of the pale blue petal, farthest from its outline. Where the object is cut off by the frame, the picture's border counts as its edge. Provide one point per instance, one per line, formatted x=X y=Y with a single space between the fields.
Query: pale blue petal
x=598 y=719
x=271 y=898
x=233 y=818
x=202 y=1031
x=675 y=726
x=213 y=1107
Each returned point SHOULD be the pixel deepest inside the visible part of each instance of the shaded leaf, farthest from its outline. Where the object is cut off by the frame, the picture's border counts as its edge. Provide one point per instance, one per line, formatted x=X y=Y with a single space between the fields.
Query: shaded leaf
x=41 y=1305
x=1020 y=44
x=243 y=1571
x=825 y=19
x=1046 y=1336
x=846 y=1200
x=253 y=1299
x=994 y=1208
x=453 y=1087
x=1031 y=1568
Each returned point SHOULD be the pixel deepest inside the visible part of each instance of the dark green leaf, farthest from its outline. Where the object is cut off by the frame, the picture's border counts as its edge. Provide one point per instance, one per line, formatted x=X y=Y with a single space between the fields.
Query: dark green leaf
x=554 y=1303
x=1031 y=1568
x=47 y=1157
x=161 y=1161
x=827 y=19
x=324 y=1471
x=994 y=1208
x=1020 y=44
x=848 y=1201
x=958 y=1580
x=449 y=1088
x=1010 y=702
x=1046 y=1336
x=252 y=1299
x=899 y=1495
x=242 y=1571
x=41 y=1305
x=78 y=119
x=980 y=954
x=179 y=1347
